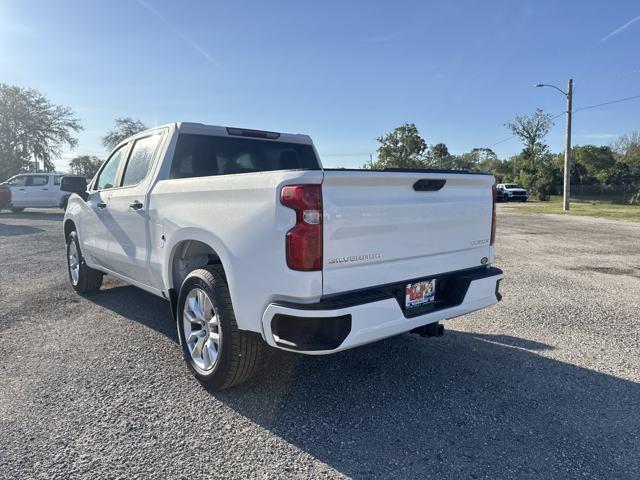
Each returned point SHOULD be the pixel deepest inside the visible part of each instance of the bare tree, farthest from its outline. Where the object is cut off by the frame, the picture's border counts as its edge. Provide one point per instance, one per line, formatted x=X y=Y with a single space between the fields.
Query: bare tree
x=627 y=144
x=532 y=129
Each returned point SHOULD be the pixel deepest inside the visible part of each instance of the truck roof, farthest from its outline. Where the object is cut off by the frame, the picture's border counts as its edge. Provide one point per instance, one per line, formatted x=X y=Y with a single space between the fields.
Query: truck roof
x=203 y=129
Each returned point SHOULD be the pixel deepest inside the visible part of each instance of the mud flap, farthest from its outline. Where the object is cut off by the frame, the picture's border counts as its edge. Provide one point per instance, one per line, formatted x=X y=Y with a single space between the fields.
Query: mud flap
x=173 y=306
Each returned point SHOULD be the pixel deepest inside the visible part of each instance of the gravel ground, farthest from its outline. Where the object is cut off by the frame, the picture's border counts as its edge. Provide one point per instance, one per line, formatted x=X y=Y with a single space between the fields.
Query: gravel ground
x=543 y=385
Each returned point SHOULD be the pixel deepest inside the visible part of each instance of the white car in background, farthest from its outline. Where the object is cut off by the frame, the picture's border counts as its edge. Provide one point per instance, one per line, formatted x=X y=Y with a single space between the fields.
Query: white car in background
x=37 y=190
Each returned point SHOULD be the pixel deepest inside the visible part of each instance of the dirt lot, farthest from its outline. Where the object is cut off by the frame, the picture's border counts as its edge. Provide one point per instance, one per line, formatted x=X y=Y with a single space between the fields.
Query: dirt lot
x=543 y=385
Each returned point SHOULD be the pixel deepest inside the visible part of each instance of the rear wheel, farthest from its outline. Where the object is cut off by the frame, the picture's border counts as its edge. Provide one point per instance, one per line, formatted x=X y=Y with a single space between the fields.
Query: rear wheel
x=83 y=278
x=216 y=351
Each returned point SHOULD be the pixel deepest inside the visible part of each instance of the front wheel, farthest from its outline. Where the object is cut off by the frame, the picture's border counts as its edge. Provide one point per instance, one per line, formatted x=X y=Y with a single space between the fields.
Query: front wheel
x=83 y=278
x=216 y=351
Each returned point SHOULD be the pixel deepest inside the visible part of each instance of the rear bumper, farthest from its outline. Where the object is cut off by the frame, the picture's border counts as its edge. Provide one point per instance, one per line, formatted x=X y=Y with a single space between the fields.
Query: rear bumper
x=518 y=196
x=349 y=320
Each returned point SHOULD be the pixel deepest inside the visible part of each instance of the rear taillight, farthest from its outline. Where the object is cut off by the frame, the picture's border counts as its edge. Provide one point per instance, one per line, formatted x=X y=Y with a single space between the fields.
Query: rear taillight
x=304 y=240
x=493 y=216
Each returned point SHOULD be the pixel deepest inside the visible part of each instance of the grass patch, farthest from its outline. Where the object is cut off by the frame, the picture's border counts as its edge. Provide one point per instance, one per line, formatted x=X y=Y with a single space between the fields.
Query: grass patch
x=585 y=209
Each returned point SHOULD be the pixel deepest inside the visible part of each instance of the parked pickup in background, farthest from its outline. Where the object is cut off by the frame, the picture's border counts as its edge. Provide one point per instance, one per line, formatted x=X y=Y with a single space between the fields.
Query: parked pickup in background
x=254 y=243
x=37 y=190
x=511 y=192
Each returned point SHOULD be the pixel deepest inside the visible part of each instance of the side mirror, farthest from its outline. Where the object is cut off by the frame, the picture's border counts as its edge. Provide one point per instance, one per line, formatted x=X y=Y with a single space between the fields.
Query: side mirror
x=77 y=185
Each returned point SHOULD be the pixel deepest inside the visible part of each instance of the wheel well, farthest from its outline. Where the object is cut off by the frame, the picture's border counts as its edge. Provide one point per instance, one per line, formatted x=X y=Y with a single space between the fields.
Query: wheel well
x=189 y=255
x=69 y=227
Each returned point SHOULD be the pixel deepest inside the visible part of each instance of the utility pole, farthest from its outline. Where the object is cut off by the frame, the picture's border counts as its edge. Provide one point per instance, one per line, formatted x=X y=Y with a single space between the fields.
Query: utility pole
x=567 y=150
x=567 y=146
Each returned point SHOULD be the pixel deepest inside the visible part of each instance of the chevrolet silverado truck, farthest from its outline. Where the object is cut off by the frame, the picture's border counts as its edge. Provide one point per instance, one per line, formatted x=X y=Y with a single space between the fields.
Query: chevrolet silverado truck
x=511 y=192
x=253 y=243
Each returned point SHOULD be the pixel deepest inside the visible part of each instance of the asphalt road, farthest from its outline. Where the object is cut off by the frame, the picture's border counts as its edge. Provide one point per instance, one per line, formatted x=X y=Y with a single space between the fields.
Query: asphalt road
x=543 y=385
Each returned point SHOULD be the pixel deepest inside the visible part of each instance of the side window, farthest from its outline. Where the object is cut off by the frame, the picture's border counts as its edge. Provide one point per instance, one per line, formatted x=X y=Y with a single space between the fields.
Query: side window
x=140 y=159
x=107 y=176
x=56 y=179
x=37 y=180
x=19 y=181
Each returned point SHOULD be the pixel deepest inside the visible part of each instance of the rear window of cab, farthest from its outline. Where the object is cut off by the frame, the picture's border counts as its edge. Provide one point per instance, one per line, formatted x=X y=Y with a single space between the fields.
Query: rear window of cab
x=207 y=155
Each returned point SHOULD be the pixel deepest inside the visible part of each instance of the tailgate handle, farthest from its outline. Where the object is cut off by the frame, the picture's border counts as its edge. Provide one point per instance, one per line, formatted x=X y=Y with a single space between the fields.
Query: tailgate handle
x=429 y=184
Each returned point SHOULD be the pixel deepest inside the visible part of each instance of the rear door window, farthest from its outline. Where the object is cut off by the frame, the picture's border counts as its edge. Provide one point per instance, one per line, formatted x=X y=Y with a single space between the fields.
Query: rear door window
x=140 y=159
x=37 y=180
x=207 y=155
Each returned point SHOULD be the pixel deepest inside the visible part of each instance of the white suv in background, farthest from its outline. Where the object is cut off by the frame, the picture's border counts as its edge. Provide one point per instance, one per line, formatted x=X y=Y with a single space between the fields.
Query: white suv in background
x=37 y=190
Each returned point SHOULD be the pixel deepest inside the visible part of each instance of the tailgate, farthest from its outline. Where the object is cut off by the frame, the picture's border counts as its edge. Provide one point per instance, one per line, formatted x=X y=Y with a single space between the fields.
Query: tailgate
x=380 y=229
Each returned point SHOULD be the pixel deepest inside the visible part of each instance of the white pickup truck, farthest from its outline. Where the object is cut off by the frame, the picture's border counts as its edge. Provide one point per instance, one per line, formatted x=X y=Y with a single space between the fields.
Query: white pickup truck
x=37 y=190
x=252 y=241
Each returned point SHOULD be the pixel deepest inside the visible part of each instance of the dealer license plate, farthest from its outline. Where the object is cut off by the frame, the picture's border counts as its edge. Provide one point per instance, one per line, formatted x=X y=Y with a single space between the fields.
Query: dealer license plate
x=420 y=293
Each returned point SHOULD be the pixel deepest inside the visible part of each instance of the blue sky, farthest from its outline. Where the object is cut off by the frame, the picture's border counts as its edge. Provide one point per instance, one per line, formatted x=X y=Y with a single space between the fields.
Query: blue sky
x=343 y=72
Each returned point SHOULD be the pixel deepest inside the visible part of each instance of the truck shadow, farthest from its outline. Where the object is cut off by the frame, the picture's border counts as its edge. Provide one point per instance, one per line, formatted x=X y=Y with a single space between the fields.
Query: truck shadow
x=54 y=215
x=136 y=305
x=467 y=405
x=8 y=230
x=464 y=406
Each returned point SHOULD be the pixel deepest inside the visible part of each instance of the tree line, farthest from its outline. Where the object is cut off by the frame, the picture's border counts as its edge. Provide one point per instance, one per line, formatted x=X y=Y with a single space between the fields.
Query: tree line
x=33 y=132
x=536 y=168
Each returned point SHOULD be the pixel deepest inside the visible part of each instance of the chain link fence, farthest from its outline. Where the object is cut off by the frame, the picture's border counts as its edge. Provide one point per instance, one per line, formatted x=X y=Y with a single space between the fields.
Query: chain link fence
x=600 y=193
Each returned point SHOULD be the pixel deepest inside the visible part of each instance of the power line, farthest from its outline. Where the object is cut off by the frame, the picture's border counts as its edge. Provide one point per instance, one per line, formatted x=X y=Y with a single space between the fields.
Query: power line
x=502 y=141
x=606 y=103
x=513 y=136
x=588 y=107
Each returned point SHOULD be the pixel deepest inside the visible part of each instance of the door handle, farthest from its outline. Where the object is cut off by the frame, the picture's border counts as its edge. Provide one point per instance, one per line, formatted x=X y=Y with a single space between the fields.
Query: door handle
x=136 y=205
x=45 y=189
x=101 y=205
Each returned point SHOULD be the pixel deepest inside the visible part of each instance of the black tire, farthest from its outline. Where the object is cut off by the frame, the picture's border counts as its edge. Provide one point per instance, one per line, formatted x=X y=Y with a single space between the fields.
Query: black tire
x=239 y=352
x=17 y=209
x=89 y=280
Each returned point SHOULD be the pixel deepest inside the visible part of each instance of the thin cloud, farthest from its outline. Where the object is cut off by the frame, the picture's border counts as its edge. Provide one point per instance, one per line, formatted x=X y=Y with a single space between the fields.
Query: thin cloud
x=621 y=29
x=598 y=136
x=192 y=43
